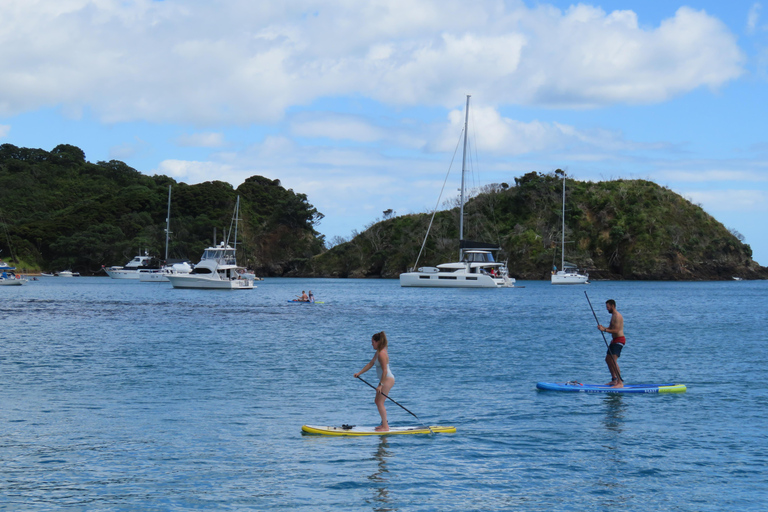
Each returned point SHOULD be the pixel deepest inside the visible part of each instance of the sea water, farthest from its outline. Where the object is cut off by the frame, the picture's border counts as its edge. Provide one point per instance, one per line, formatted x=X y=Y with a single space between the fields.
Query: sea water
x=119 y=395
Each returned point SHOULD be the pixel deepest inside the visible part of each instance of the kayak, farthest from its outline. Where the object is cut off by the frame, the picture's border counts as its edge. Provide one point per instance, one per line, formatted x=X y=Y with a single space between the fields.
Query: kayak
x=352 y=430
x=306 y=302
x=577 y=387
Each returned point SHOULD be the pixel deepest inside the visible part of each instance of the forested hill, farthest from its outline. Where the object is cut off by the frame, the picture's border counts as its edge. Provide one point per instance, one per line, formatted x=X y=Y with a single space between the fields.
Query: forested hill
x=622 y=229
x=58 y=211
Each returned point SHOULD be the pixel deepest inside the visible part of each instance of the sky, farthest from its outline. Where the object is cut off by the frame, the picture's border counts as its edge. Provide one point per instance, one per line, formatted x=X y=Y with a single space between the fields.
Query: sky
x=360 y=105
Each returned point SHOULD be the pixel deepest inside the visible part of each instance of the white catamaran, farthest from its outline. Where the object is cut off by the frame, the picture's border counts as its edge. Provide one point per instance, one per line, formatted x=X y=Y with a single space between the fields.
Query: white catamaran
x=476 y=268
x=568 y=273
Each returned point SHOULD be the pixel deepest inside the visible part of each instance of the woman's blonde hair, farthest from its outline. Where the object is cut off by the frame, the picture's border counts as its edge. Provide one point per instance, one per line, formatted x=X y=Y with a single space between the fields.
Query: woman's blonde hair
x=381 y=338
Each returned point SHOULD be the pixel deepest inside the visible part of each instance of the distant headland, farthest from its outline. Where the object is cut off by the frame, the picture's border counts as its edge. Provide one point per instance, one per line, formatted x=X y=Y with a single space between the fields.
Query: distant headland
x=60 y=211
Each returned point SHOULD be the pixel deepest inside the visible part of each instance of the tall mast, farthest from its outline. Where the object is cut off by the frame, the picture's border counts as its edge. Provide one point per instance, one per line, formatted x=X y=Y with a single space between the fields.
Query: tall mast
x=463 y=170
x=168 y=224
x=237 y=214
x=562 y=250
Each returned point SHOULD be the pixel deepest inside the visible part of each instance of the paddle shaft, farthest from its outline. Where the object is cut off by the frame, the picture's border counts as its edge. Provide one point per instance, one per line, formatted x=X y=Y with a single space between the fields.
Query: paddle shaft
x=409 y=412
x=601 y=332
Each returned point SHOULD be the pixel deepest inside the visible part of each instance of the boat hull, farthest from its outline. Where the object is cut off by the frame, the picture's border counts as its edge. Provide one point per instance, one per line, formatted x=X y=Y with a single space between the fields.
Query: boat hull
x=12 y=282
x=570 y=279
x=153 y=277
x=207 y=283
x=451 y=280
x=123 y=274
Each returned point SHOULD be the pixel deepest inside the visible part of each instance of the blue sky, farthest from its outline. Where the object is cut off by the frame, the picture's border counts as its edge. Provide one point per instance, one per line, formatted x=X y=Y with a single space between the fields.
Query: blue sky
x=359 y=105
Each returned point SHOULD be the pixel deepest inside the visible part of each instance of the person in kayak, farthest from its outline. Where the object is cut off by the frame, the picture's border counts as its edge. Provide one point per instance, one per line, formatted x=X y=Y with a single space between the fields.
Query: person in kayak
x=386 y=377
x=616 y=328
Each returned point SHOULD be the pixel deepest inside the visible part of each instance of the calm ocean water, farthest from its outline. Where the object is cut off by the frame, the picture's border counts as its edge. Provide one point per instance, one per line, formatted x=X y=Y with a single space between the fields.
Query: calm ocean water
x=134 y=396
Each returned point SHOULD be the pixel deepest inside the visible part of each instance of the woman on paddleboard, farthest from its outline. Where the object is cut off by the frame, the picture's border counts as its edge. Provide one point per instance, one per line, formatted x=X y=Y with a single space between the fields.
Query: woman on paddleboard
x=386 y=377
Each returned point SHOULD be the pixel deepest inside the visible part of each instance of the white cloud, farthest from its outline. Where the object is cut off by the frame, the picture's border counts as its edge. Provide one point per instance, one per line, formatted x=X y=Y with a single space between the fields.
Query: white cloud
x=753 y=17
x=5 y=129
x=337 y=127
x=248 y=62
x=201 y=140
x=717 y=175
x=195 y=172
x=730 y=200
x=493 y=133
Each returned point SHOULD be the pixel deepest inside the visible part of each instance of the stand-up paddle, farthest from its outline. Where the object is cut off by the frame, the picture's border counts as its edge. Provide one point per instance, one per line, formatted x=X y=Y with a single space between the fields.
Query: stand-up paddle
x=618 y=374
x=387 y=396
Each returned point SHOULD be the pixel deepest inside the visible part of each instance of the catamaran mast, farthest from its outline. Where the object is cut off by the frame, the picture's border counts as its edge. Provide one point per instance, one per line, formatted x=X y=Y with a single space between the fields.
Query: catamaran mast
x=168 y=224
x=237 y=214
x=562 y=247
x=463 y=170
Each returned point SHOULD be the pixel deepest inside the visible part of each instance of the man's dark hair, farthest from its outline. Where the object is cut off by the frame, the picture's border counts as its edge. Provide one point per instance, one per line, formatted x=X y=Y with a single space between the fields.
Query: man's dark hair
x=611 y=302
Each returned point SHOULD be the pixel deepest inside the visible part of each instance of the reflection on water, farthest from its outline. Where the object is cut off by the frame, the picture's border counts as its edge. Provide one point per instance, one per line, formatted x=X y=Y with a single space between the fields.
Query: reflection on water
x=381 y=499
x=614 y=412
x=614 y=462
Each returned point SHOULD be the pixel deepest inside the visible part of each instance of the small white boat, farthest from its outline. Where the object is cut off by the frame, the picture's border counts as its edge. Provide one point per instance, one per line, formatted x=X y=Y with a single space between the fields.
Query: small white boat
x=68 y=273
x=217 y=268
x=476 y=268
x=568 y=273
x=9 y=278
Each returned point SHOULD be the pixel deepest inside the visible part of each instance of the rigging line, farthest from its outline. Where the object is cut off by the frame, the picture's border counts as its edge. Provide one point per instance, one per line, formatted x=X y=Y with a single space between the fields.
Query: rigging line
x=438 y=200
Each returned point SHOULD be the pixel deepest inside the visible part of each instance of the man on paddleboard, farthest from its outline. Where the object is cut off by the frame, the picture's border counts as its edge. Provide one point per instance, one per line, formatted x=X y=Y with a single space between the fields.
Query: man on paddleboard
x=616 y=328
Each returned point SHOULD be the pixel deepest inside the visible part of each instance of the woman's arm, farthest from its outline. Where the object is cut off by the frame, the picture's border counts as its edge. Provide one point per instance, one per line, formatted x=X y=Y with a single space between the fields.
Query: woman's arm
x=366 y=367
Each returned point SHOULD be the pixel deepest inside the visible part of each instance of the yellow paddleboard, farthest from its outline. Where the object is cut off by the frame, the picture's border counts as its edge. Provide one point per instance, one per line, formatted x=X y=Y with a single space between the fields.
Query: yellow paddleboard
x=348 y=430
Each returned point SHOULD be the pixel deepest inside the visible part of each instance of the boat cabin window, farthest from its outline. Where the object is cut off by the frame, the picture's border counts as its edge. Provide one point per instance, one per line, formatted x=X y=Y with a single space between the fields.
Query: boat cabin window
x=201 y=270
x=478 y=257
x=223 y=256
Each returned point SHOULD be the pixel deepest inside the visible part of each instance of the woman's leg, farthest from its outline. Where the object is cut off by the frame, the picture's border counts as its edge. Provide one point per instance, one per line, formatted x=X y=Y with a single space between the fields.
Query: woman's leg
x=380 y=403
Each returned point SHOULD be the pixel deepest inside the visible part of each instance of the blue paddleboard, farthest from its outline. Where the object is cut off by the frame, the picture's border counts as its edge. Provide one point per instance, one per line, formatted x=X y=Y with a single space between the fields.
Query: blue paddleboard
x=577 y=387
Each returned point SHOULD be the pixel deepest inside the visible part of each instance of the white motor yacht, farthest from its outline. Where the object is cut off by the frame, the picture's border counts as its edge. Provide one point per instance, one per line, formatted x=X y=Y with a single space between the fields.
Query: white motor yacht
x=131 y=269
x=217 y=268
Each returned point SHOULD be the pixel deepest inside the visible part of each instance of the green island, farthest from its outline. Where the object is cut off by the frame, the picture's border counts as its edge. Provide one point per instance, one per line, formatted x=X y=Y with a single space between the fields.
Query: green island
x=59 y=211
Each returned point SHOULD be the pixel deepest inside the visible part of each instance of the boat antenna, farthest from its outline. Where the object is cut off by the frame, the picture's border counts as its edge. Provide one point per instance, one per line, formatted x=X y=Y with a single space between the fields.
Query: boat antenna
x=463 y=171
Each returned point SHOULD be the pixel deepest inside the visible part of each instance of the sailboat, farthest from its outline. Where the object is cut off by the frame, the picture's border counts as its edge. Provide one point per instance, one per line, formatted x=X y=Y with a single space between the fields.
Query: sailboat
x=476 y=268
x=568 y=273
x=218 y=267
x=160 y=275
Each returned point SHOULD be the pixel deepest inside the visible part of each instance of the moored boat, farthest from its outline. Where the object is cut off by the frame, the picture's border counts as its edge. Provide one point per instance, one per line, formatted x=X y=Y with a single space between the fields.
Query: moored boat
x=131 y=269
x=8 y=276
x=217 y=269
x=477 y=266
x=568 y=273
